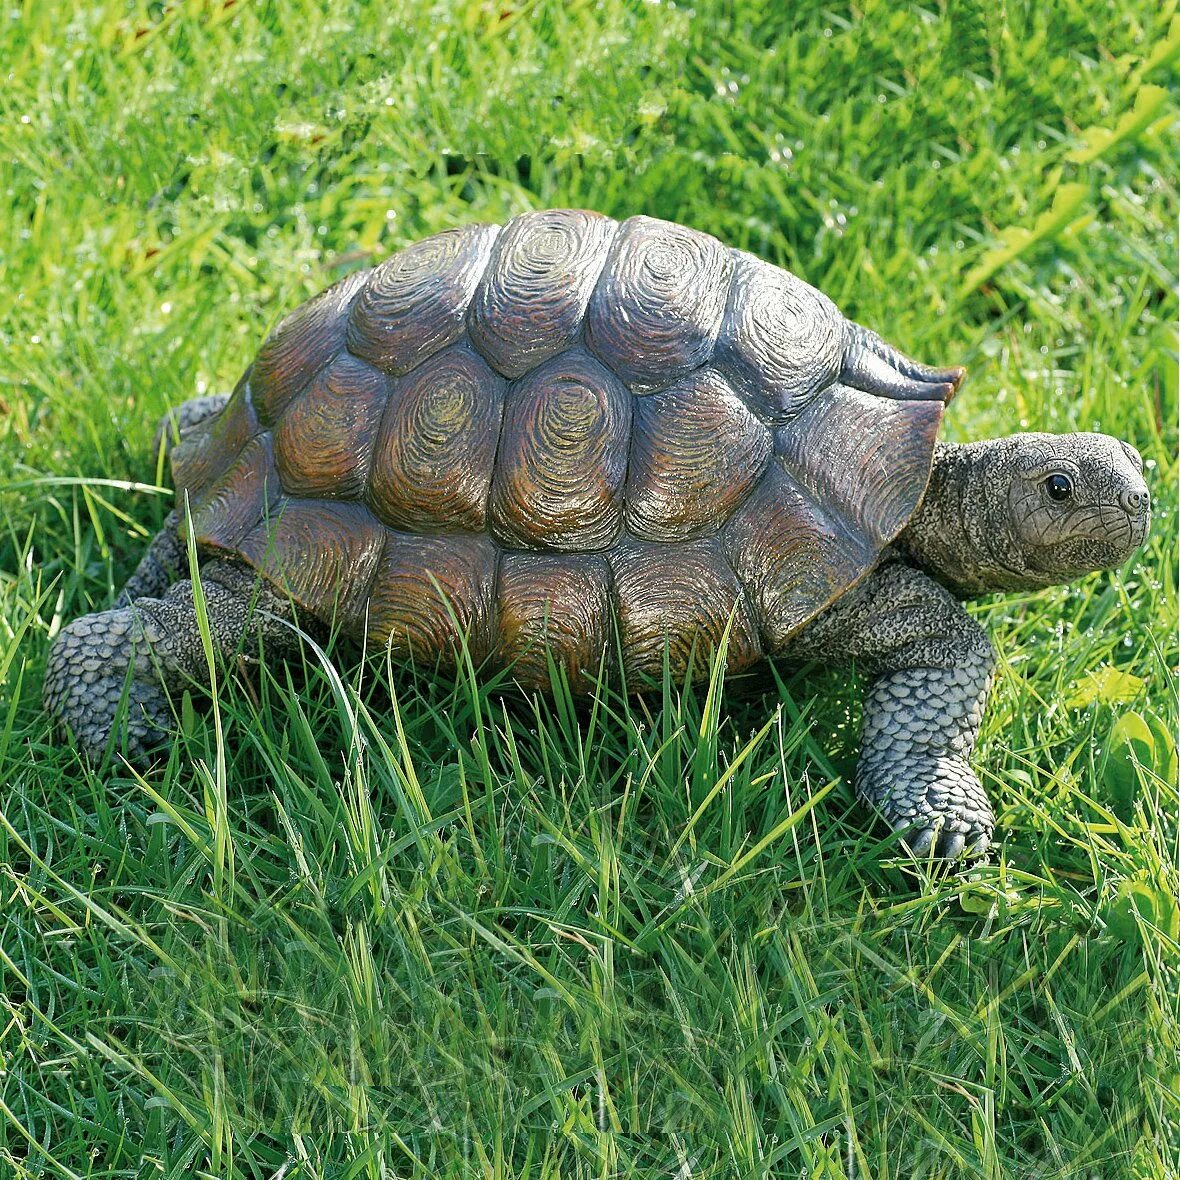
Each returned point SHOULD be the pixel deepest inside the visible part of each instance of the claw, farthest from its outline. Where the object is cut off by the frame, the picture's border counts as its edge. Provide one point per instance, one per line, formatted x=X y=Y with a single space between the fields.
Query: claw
x=938 y=843
x=950 y=847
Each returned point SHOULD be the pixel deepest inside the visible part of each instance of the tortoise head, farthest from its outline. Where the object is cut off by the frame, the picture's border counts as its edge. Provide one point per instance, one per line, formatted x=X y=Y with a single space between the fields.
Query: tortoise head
x=1076 y=503
x=1029 y=510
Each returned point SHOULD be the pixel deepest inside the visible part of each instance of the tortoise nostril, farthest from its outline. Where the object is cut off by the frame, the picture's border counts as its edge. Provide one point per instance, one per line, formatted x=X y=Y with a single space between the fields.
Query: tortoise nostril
x=1134 y=500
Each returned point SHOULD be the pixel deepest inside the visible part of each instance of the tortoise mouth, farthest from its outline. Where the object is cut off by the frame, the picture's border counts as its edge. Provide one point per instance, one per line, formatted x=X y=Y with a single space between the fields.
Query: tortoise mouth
x=1114 y=536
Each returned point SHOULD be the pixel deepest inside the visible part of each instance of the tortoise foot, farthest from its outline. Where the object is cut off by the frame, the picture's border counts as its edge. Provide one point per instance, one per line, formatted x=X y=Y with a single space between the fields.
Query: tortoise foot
x=935 y=799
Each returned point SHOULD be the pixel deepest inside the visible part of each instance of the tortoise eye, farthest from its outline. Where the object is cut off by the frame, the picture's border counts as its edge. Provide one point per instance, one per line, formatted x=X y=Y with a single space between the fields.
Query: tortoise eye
x=1059 y=487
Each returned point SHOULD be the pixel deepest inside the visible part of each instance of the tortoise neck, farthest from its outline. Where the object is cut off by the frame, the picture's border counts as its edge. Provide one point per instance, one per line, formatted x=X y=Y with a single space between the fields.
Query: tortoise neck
x=958 y=533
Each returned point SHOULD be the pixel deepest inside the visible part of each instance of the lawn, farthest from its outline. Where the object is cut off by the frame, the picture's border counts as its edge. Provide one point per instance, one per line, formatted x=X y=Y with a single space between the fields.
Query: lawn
x=367 y=924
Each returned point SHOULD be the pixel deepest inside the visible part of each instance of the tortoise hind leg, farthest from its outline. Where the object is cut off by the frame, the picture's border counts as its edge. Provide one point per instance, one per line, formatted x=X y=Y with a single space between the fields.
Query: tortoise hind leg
x=180 y=419
x=165 y=557
x=873 y=366
x=932 y=665
x=110 y=673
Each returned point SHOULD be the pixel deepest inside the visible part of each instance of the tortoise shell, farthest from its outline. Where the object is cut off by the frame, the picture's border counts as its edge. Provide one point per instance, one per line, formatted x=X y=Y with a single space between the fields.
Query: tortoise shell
x=528 y=437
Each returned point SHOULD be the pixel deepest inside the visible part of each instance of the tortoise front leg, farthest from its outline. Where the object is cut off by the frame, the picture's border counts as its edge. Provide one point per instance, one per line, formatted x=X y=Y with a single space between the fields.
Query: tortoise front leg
x=932 y=665
x=143 y=651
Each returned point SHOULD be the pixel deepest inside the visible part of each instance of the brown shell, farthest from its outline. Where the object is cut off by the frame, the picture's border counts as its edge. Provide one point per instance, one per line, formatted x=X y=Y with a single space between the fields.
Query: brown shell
x=548 y=439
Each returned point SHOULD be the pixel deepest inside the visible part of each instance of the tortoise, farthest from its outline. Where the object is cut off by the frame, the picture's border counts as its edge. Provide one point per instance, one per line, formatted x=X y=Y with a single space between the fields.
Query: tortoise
x=571 y=439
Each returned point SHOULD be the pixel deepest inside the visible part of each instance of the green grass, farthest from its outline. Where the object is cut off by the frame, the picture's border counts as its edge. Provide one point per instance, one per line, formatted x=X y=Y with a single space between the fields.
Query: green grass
x=367 y=925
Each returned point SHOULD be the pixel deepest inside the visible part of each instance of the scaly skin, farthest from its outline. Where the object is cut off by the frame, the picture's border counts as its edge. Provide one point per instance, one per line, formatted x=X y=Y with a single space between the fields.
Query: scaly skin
x=152 y=648
x=159 y=567
x=986 y=523
x=932 y=665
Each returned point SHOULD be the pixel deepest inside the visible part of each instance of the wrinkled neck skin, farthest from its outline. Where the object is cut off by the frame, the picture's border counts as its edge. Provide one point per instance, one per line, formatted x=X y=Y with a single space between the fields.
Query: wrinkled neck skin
x=960 y=534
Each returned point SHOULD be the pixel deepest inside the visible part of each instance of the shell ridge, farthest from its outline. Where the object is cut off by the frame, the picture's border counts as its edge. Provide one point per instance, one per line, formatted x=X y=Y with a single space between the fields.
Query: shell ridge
x=371 y=585
x=631 y=435
x=492 y=620
x=509 y=389
x=370 y=459
x=313 y=377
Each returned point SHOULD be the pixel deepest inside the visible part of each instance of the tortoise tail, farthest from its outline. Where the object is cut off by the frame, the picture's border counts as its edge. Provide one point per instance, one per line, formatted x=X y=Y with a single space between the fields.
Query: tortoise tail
x=873 y=366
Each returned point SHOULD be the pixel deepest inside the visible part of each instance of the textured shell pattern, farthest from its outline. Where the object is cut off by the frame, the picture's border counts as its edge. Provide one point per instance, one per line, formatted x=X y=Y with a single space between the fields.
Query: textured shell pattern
x=537 y=437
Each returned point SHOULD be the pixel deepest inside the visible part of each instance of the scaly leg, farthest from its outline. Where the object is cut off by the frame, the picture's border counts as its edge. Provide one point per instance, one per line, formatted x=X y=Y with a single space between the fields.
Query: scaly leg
x=932 y=665
x=151 y=648
x=184 y=417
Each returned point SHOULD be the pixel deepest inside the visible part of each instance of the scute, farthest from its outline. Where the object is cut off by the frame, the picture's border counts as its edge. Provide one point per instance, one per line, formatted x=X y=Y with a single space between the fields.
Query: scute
x=324 y=438
x=562 y=461
x=432 y=463
x=791 y=555
x=431 y=595
x=781 y=341
x=530 y=303
x=695 y=453
x=211 y=447
x=415 y=303
x=323 y=555
x=303 y=343
x=241 y=496
x=554 y=606
x=866 y=458
x=657 y=309
x=684 y=596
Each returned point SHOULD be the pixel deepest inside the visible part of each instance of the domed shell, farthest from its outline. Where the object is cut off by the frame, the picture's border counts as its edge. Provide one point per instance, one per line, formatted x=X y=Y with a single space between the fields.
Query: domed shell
x=560 y=441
